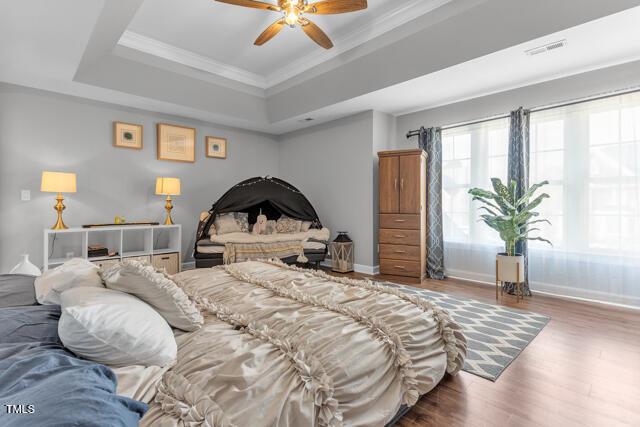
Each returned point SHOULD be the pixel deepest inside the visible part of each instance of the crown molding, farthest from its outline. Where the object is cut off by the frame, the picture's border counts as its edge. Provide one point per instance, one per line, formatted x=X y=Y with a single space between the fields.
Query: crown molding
x=191 y=59
x=373 y=29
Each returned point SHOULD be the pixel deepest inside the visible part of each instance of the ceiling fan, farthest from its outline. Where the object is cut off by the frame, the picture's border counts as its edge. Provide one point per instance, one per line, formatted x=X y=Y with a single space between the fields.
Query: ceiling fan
x=293 y=14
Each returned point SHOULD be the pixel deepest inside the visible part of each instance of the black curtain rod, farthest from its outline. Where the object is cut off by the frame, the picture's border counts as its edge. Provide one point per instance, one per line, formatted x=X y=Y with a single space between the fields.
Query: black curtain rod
x=416 y=132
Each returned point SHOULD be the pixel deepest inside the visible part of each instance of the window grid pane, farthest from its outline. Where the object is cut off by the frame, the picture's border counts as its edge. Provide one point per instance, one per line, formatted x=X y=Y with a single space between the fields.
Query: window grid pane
x=471 y=156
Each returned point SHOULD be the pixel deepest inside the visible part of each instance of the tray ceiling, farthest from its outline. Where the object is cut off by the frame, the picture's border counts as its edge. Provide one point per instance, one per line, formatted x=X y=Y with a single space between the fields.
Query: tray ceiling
x=193 y=61
x=218 y=38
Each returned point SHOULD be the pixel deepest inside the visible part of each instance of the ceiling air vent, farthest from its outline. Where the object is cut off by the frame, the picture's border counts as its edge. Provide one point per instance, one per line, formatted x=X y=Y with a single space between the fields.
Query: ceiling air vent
x=546 y=48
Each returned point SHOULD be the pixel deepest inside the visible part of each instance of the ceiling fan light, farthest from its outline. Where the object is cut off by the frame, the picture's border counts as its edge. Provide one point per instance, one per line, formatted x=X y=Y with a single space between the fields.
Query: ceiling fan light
x=291 y=16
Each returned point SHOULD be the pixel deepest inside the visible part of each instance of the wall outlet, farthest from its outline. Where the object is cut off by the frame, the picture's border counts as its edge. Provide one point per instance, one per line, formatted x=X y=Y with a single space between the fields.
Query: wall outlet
x=25 y=195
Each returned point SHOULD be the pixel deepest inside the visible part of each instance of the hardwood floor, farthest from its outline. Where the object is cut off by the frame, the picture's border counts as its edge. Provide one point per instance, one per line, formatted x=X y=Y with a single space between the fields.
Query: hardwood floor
x=583 y=369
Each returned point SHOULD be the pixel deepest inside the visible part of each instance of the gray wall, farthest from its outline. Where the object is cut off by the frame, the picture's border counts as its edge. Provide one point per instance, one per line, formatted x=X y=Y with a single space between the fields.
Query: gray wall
x=331 y=165
x=44 y=131
x=555 y=91
x=384 y=130
x=336 y=166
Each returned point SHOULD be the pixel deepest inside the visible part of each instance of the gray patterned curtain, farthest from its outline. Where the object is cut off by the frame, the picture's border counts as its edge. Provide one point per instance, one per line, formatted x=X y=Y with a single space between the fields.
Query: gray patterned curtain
x=430 y=140
x=518 y=171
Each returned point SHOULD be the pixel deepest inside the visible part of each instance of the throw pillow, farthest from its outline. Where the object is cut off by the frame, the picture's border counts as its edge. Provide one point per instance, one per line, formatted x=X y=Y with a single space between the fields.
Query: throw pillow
x=226 y=223
x=157 y=290
x=242 y=219
x=74 y=273
x=114 y=328
x=288 y=225
x=232 y=222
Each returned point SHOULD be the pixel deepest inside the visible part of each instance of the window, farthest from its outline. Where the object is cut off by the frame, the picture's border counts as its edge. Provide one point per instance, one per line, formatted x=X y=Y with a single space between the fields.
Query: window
x=471 y=155
x=590 y=153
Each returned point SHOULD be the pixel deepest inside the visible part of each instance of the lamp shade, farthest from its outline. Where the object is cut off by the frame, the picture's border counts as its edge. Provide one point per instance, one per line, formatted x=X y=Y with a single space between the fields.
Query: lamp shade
x=168 y=186
x=58 y=182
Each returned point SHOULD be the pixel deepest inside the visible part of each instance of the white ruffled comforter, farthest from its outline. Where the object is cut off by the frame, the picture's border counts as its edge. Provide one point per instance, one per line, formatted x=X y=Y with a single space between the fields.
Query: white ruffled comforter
x=288 y=347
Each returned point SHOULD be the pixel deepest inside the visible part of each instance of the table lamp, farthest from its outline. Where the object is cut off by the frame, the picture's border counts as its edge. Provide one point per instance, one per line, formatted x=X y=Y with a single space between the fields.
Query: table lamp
x=58 y=182
x=168 y=187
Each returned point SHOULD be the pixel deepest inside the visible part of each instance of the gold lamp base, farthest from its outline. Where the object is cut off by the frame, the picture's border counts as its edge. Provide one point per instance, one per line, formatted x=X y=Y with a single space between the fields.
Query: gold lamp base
x=59 y=207
x=168 y=206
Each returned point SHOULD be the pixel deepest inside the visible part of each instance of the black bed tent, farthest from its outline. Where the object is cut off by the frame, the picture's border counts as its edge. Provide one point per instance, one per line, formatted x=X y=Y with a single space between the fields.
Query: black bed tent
x=271 y=196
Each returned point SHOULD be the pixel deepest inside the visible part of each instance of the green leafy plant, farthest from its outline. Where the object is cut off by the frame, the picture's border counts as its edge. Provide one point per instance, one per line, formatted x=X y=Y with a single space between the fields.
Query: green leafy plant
x=508 y=214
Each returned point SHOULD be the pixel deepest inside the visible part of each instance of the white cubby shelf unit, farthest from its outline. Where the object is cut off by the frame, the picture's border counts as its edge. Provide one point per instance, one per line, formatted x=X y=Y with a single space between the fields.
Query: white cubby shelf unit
x=128 y=241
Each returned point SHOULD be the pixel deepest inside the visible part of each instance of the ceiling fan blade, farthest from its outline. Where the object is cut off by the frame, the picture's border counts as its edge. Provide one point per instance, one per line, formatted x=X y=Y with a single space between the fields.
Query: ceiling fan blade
x=316 y=34
x=271 y=31
x=254 y=4
x=329 y=7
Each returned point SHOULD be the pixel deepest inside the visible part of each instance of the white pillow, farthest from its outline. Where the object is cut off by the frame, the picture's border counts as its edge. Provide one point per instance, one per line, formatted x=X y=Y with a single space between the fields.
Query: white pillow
x=232 y=222
x=114 y=328
x=157 y=290
x=73 y=273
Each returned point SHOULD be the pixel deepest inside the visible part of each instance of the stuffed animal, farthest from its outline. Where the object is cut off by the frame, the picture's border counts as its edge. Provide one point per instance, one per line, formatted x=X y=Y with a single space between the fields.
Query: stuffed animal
x=260 y=227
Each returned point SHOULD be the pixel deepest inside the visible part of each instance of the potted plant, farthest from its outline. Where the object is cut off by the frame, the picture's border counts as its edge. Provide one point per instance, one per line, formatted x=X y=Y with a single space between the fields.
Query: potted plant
x=511 y=217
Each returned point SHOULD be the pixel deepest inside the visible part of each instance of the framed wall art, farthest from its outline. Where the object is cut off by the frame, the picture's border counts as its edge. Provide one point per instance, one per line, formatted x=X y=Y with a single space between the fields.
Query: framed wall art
x=216 y=147
x=127 y=135
x=176 y=143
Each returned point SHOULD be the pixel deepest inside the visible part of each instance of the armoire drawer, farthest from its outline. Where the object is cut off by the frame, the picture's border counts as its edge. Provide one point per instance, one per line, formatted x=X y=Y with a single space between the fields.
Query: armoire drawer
x=399 y=237
x=170 y=262
x=402 y=221
x=401 y=252
x=396 y=267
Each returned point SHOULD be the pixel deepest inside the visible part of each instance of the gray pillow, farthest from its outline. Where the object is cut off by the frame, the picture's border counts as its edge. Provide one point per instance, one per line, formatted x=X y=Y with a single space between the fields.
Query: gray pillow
x=17 y=290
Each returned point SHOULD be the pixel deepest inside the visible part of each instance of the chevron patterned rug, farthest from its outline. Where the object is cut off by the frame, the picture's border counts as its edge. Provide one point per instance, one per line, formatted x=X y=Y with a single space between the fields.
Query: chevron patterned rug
x=495 y=335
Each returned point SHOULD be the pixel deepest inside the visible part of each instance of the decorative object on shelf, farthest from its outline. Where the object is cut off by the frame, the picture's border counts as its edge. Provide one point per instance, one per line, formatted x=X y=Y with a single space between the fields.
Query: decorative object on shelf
x=26 y=267
x=342 y=253
x=58 y=182
x=168 y=187
x=176 y=143
x=119 y=220
x=127 y=135
x=216 y=147
x=293 y=12
x=94 y=251
x=511 y=217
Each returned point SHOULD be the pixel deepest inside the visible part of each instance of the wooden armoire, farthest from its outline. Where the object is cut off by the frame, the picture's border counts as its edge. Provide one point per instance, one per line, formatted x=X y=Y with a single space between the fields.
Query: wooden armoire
x=402 y=206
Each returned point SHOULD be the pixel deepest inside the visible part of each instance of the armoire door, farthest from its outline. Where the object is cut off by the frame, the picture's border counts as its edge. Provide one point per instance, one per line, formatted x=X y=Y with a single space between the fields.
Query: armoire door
x=388 y=184
x=409 y=176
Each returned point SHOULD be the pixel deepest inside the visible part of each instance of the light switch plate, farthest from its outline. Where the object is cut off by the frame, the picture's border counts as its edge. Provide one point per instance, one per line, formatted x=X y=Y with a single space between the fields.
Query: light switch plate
x=25 y=195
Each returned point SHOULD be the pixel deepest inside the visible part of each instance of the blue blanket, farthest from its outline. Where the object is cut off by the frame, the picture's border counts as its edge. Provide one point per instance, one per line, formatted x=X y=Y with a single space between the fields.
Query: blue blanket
x=43 y=384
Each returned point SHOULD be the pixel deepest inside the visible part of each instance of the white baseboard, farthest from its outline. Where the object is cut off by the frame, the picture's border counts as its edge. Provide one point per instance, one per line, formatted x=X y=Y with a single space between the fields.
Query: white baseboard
x=555 y=291
x=358 y=268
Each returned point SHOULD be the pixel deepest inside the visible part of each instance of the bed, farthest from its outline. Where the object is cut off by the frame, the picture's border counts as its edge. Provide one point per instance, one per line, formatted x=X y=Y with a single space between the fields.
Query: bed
x=41 y=382
x=268 y=196
x=285 y=346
